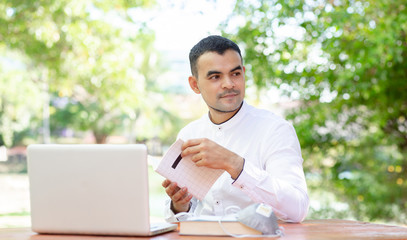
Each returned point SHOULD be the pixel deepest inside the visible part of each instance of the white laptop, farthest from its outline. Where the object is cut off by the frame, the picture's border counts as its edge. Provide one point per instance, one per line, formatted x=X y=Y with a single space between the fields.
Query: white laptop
x=96 y=189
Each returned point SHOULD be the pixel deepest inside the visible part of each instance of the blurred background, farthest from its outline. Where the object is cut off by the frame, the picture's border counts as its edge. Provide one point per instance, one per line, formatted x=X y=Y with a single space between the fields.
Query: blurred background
x=98 y=71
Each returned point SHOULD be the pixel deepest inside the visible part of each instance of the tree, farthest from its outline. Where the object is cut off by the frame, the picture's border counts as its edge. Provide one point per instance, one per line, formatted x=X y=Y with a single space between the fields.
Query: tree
x=345 y=63
x=92 y=55
x=15 y=90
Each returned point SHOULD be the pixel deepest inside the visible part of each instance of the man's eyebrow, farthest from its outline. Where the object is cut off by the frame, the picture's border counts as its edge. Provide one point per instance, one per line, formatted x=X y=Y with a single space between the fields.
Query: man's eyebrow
x=236 y=68
x=212 y=72
x=217 y=72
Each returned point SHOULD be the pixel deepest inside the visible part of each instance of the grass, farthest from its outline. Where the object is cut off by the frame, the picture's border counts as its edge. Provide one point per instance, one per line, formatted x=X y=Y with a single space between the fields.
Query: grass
x=16 y=214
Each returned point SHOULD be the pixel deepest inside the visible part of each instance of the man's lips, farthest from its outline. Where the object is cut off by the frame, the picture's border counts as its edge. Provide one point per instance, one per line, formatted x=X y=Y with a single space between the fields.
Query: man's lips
x=229 y=94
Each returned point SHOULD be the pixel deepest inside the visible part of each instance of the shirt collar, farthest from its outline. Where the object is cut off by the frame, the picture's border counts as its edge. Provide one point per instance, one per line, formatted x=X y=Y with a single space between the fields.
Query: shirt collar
x=233 y=120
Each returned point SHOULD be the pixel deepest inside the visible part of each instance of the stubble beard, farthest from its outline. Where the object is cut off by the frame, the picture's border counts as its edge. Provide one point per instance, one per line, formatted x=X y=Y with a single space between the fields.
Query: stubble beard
x=219 y=96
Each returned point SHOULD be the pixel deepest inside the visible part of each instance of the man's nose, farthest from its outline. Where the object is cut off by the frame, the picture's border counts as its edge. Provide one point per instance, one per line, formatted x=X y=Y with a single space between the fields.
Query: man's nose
x=228 y=83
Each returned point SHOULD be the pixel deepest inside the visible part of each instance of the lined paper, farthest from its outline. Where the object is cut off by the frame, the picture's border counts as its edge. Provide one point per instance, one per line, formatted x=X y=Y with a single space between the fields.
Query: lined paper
x=185 y=173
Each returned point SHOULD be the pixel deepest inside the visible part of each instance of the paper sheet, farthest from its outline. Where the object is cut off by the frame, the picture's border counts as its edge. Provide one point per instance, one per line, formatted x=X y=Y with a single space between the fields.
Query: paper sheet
x=185 y=173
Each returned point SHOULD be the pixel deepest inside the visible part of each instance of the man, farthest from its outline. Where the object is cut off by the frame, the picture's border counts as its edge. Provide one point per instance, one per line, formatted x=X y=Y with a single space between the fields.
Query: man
x=258 y=150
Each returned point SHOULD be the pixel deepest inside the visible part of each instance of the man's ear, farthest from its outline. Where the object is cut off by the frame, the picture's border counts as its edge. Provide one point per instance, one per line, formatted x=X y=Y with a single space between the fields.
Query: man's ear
x=193 y=83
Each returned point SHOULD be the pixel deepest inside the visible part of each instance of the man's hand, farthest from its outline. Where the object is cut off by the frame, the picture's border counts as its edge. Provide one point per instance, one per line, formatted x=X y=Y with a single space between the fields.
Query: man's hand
x=179 y=196
x=205 y=152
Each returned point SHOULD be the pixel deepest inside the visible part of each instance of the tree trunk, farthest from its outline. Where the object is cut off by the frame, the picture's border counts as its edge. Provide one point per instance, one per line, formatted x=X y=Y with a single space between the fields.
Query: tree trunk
x=100 y=137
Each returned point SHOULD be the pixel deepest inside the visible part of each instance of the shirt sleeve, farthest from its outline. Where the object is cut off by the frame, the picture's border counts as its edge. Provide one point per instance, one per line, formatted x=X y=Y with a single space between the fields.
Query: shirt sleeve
x=281 y=182
x=169 y=214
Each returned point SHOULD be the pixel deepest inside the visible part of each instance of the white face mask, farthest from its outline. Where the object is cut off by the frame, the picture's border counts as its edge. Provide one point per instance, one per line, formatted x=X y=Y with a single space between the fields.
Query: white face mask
x=260 y=217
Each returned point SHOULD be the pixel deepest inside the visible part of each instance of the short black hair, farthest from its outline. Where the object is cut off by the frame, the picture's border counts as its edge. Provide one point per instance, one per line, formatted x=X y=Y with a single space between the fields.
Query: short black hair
x=213 y=43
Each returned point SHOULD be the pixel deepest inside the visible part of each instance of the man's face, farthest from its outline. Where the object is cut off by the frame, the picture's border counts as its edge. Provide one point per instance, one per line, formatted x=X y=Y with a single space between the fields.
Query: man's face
x=220 y=80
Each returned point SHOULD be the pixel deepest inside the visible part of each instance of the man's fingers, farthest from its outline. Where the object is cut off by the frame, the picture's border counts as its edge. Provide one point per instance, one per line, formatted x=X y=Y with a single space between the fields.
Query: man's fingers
x=194 y=142
x=179 y=195
x=196 y=157
x=193 y=146
x=166 y=183
x=200 y=163
x=182 y=196
x=186 y=199
x=190 y=150
x=190 y=143
x=171 y=189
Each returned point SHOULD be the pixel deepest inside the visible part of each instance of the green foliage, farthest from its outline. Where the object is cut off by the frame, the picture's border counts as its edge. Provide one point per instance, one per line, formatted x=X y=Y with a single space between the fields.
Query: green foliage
x=15 y=114
x=345 y=63
x=90 y=54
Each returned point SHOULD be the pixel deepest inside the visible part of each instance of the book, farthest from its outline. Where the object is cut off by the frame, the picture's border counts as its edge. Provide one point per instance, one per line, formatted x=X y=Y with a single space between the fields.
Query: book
x=210 y=226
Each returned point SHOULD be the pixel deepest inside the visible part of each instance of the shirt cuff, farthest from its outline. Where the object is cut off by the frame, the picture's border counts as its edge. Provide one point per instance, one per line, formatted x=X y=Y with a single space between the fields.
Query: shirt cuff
x=244 y=161
x=170 y=215
x=249 y=177
x=173 y=210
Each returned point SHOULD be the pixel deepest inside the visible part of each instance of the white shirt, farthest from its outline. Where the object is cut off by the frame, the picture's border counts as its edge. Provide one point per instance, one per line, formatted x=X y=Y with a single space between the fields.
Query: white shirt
x=272 y=172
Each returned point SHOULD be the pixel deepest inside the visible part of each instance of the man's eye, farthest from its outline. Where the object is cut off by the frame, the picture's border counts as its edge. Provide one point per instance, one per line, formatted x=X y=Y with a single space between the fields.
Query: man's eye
x=236 y=73
x=214 y=77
